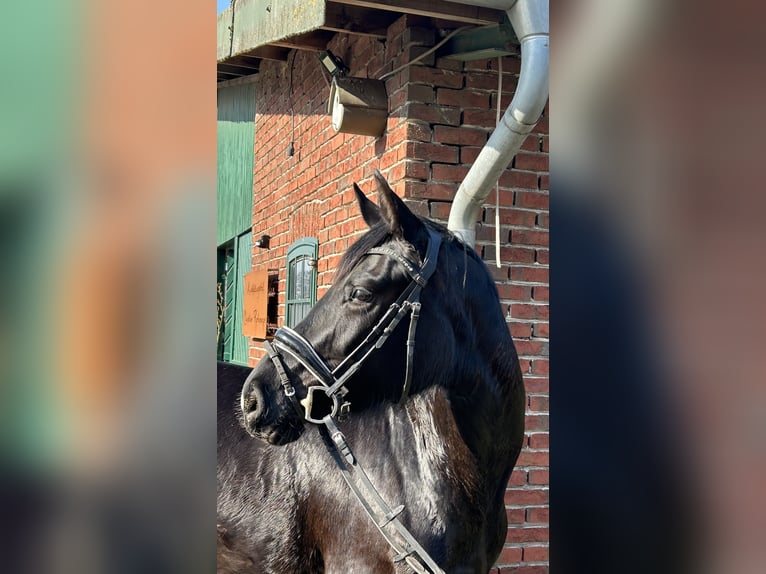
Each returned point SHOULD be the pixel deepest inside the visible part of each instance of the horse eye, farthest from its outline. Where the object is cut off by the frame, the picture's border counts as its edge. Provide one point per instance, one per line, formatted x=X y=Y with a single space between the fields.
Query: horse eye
x=361 y=294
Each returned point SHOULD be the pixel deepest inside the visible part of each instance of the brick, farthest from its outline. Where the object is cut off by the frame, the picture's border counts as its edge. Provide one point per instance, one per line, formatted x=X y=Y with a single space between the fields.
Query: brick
x=516 y=217
x=537 y=423
x=538 y=403
x=531 y=161
x=449 y=64
x=520 y=179
x=525 y=311
x=520 y=330
x=530 y=534
x=538 y=515
x=516 y=515
x=440 y=210
x=539 y=440
x=514 y=292
x=460 y=135
x=440 y=191
x=535 y=553
x=419 y=36
x=540 y=367
x=419 y=131
x=520 y=497
x=448 y=172
x=526 y=237
x=531 y=458
x=524 y=570
x=432 y=76
x=462 y=98
x=540 y=293
x=482 y=81
x=536 y=384
x=539 y=477
x=433 y=114
x=432 y=152
x=532 y=348
x=541 y=330
x=479 y=65
x=420 y=93
x=510 y=555
x=412 y=53
x=518 y=478
x=531 y=200
x=416 y=169
x=511 y=254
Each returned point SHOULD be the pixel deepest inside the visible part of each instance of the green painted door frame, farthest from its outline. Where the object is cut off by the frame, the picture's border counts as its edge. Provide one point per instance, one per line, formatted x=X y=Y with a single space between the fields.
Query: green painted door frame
x=234 y=261
x=236 y=143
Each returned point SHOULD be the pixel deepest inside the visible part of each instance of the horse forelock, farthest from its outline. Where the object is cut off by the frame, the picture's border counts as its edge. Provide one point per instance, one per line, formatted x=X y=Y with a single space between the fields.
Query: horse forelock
x=373 y=238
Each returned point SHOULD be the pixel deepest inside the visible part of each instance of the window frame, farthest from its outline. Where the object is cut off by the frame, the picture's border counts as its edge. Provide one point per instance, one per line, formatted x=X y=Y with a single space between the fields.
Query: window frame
x=304 y=249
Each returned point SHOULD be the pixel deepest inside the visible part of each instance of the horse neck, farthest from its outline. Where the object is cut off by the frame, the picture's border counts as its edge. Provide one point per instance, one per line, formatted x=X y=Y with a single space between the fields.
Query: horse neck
x=486 y=390
x=421 y=439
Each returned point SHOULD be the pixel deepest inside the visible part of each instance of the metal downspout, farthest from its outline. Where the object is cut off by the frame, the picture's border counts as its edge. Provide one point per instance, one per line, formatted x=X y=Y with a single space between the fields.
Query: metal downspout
x=529 y=19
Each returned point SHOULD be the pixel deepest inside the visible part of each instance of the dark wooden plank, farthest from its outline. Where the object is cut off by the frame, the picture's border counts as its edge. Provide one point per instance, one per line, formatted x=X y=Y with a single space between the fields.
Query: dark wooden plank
x=434 y=9
x=237 y=70
x=268 y=53
x=313 y=42
x=358 y=21
x=238 y=61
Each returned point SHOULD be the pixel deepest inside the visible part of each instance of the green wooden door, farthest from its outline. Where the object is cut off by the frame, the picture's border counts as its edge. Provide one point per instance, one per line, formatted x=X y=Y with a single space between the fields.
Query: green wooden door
x=236 y=143
x=234 y=261
x=244 y=254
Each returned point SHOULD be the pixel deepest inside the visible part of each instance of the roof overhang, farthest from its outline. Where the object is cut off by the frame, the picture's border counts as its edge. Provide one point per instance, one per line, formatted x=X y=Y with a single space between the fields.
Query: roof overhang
x=250 y=31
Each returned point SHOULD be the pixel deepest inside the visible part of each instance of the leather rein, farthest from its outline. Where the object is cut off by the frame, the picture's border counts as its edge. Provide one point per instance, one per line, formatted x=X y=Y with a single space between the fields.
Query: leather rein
x=332 y=384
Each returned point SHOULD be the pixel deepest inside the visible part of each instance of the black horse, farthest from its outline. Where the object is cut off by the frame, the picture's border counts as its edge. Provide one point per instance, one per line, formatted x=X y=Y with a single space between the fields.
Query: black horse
x=444 y=448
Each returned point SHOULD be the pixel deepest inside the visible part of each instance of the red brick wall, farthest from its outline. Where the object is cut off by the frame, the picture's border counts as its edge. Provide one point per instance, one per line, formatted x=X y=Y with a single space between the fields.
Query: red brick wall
x=441 y=113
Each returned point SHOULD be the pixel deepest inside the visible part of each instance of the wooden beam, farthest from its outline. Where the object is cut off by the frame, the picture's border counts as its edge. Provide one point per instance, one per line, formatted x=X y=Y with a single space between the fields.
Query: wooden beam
x=239 y=62
x=433 y=9
x=223 y=81
x=354 y=20
x=237 y=70
x=267 y=53
x=221 y=73
x=313 y=42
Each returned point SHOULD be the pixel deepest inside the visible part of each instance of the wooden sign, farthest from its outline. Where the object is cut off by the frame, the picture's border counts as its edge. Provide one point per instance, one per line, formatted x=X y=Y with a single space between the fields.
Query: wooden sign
x=255 y=304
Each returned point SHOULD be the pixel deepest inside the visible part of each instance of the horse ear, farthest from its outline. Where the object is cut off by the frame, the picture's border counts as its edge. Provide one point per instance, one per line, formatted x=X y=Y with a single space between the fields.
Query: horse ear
x=370 y=211
x=402 y=222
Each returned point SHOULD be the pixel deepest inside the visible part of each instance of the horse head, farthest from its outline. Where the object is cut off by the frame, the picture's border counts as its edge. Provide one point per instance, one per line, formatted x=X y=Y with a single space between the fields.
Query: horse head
x=406 y=312
x=373 y=274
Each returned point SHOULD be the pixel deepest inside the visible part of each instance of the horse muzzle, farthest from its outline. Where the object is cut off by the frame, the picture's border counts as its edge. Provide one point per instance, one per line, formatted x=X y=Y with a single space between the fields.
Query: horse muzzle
x=263 y=416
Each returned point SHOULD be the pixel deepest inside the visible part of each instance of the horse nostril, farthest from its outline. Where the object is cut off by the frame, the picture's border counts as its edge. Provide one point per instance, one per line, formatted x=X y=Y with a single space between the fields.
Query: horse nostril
x=252 y=403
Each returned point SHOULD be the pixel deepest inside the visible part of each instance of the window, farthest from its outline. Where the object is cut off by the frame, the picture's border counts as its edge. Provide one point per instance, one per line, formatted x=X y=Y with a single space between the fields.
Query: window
x=301 y=279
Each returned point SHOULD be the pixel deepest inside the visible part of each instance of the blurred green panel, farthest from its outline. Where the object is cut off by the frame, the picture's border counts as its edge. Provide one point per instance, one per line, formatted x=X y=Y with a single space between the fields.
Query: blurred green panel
x=236 y=142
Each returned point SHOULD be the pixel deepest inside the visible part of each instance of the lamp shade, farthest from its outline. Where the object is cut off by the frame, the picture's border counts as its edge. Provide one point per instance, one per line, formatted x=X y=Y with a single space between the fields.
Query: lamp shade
x=358 y=106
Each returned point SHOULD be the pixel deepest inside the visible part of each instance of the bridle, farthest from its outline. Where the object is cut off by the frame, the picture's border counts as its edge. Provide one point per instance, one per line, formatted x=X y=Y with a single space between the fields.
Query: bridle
x=332 y=381
x=332 y=384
